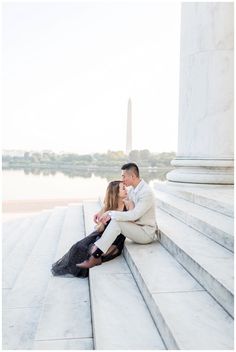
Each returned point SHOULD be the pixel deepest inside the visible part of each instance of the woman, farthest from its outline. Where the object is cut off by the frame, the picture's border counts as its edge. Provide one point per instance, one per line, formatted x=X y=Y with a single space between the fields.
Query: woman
x=115 y=199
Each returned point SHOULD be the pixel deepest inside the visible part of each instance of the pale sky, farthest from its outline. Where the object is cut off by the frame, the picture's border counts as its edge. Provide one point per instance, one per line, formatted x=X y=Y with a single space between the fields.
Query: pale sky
x=69 y=69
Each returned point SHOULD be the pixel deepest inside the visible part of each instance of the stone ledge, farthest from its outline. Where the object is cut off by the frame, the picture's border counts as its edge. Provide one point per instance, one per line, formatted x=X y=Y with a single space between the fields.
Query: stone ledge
x=217 y=227
x=215 y=197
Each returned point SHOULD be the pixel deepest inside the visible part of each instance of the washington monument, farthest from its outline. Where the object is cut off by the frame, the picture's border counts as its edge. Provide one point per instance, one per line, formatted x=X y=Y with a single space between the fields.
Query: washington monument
x=129 y=128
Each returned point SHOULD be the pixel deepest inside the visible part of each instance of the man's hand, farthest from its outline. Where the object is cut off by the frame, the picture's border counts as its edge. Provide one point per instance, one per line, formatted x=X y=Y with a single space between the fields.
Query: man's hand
x=104 y=218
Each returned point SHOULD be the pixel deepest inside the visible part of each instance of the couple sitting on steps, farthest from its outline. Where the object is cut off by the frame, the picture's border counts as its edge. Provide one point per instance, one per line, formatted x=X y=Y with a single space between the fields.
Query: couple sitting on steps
x=123 y=215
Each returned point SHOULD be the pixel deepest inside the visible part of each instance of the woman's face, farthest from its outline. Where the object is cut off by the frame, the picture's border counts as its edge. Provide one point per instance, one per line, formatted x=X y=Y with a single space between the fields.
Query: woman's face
x=122 y=190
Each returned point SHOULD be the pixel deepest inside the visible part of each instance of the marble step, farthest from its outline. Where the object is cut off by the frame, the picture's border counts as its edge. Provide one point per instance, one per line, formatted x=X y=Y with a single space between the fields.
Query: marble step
x=13 y=264
x=65 y=321
x=10 y=241
x=90 y=208
x=216 y=226
x=121 y=319
x=9 y=226
x=211 y=264
x=73 y=229
x=23 y=305
x=215 y=197
x=117 y=304
x=186 y=315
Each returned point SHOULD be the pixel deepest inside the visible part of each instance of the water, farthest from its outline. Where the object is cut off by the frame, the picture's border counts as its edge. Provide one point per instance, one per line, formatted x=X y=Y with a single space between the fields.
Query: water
x=39 y=184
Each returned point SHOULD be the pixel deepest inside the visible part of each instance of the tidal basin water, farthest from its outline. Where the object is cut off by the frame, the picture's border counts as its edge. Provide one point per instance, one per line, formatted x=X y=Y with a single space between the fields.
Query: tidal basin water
x=41 y=184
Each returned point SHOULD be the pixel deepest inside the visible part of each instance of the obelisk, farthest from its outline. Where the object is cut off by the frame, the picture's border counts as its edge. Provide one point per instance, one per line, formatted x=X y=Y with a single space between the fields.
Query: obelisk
x=129 y=128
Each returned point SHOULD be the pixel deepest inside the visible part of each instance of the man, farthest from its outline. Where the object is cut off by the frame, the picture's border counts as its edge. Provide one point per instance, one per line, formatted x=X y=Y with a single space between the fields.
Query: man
x=137 y=224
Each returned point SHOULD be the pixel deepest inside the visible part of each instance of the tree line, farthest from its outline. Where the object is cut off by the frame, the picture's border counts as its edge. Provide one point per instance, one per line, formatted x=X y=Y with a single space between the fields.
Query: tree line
x=143 y=158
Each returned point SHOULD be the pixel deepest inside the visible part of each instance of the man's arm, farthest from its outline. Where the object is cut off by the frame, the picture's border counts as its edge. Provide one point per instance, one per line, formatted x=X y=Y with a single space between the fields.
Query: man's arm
x=143 y=205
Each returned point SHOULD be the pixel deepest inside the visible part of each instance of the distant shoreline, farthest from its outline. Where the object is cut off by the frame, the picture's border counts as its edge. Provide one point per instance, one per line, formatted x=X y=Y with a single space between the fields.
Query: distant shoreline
x=9 y=166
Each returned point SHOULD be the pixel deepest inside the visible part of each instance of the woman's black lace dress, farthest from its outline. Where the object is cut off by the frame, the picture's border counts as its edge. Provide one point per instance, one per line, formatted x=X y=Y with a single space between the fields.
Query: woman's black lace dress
x=80 y=251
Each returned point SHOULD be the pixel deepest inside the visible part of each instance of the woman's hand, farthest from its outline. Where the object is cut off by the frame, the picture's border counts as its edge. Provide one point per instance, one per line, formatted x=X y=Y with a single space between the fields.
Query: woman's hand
x=96 y=218
x=104 y=218
x=129 y=204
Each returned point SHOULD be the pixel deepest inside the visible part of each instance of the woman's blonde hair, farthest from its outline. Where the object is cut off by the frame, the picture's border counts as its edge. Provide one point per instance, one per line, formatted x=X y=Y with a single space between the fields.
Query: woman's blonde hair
x=110 y=201
x=112 y=196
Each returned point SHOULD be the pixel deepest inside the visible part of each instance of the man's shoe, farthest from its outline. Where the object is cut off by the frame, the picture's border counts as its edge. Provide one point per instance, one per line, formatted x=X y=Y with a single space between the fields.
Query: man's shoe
x=89 y=263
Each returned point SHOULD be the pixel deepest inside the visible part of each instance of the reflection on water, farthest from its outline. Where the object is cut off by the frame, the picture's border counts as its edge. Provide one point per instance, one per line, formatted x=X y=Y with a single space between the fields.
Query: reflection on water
x=38 y=183
x=109 y=175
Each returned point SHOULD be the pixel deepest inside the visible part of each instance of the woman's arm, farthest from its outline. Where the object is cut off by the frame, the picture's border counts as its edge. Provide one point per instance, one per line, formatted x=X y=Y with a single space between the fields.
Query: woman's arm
x=100 y=227
x=129 y=204
x=96 y=218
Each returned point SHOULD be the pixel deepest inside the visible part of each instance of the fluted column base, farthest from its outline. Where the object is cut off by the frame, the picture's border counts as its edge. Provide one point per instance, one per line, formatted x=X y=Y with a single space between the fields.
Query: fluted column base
x=204 y=171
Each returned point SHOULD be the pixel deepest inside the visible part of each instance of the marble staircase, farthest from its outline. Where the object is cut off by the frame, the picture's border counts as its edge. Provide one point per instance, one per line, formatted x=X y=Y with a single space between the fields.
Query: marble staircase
x=176 y=293
x=200 y=237
x=210 y=222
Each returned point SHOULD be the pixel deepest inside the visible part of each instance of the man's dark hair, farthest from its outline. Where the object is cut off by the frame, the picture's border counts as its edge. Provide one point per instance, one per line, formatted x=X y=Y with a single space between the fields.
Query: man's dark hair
x=131 y=167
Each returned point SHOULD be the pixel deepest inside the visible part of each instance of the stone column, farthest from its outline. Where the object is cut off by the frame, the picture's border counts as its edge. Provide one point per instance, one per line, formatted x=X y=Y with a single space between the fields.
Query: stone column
x=205 y=130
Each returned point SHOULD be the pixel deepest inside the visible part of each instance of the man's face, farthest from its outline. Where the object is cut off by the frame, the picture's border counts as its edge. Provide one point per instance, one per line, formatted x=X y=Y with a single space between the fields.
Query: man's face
x=127 y=178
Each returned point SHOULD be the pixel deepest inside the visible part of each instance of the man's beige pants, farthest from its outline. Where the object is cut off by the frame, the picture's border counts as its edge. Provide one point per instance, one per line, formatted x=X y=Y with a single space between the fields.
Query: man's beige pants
x=129 y=229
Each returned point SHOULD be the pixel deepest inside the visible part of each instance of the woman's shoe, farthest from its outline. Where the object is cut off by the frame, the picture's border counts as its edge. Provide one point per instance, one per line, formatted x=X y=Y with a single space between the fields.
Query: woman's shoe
x=89 y=263
x=95 y=259
x=112 y=250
